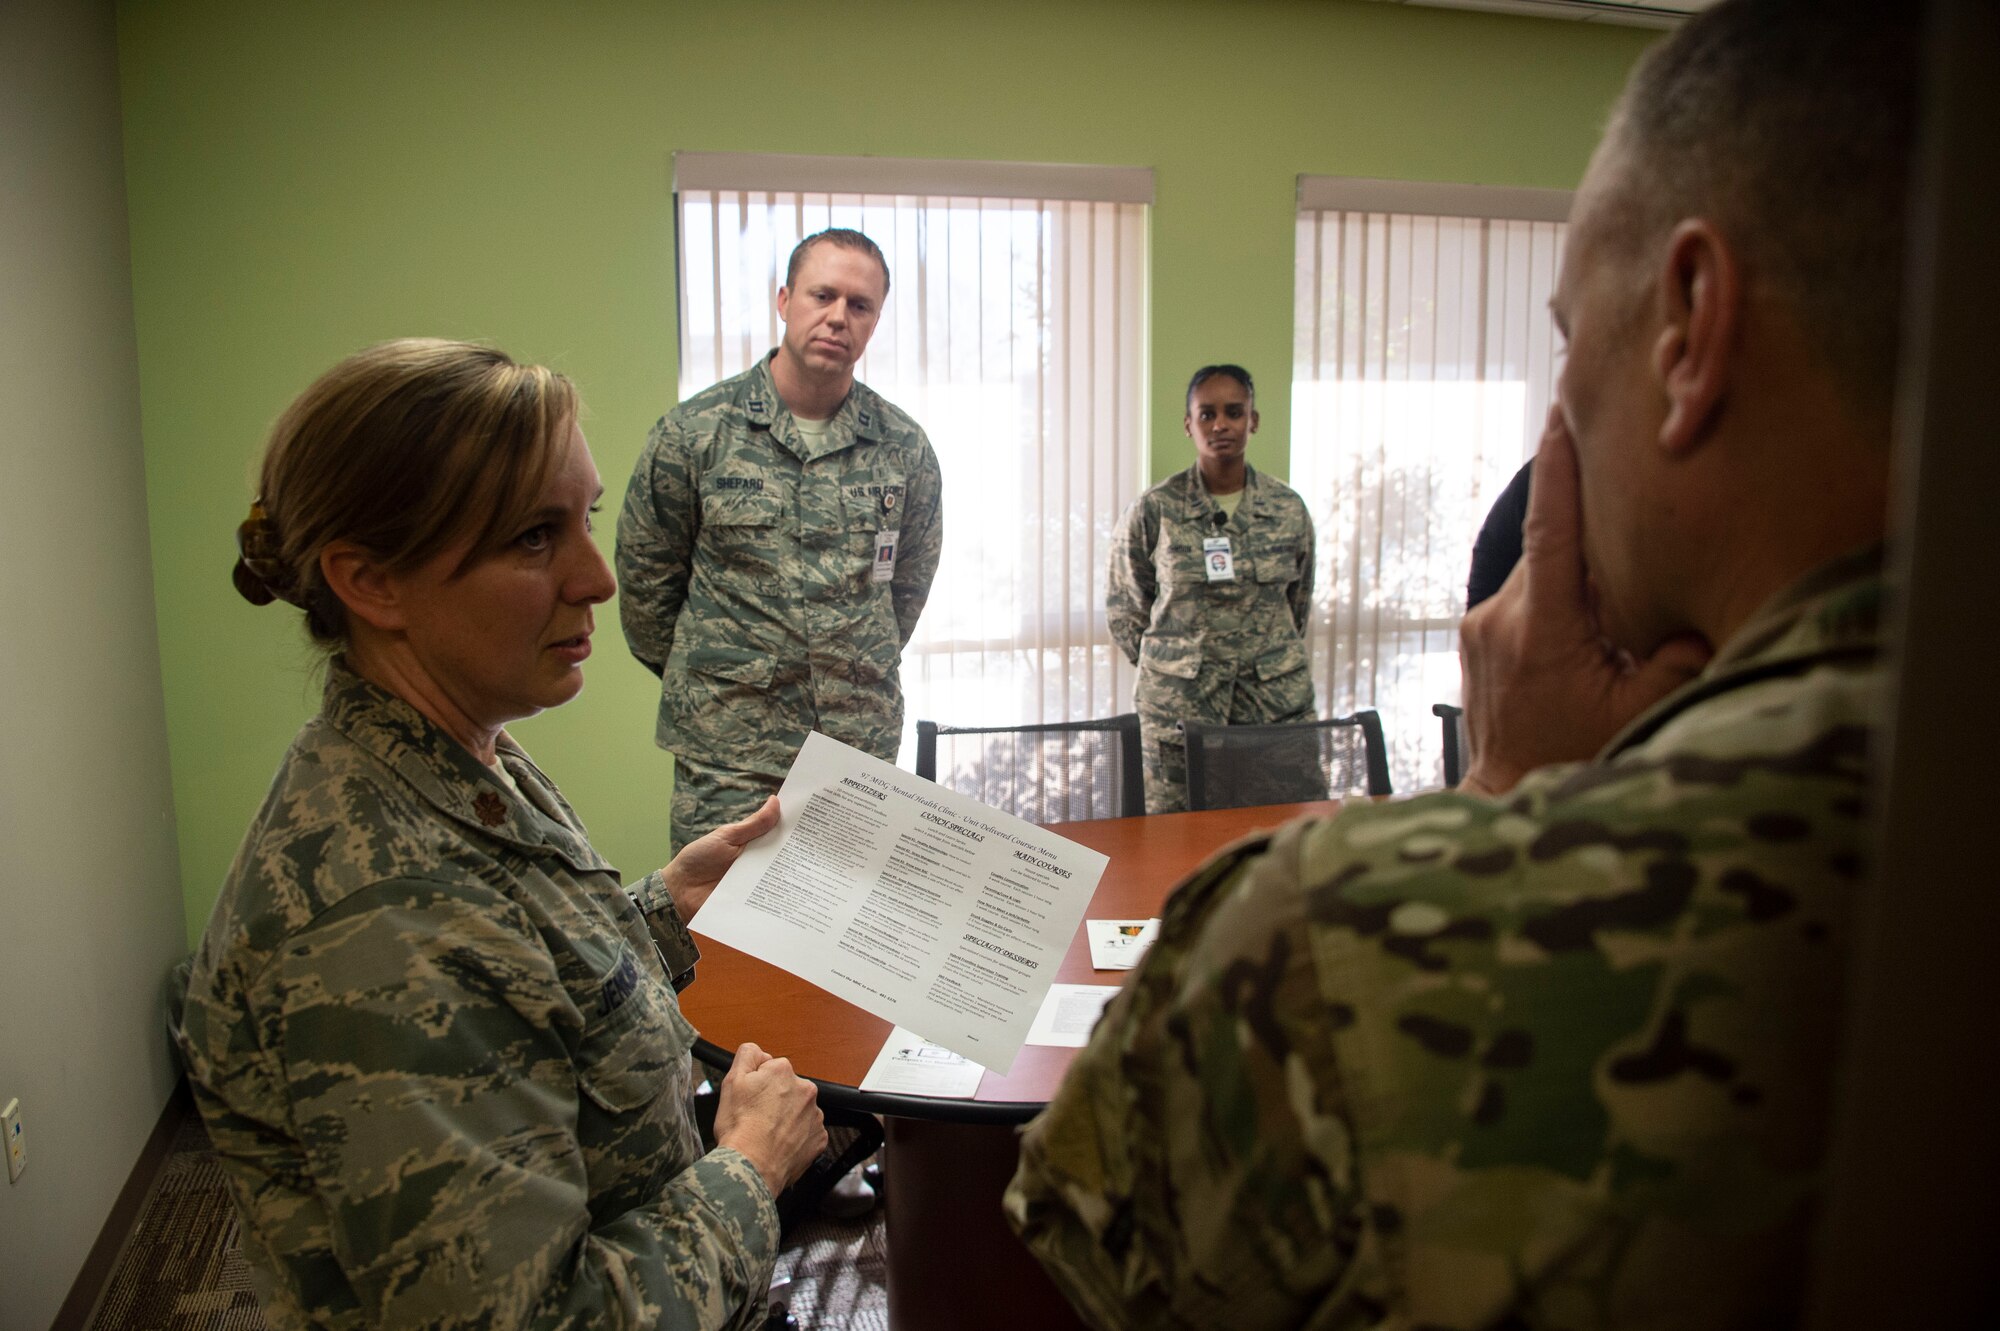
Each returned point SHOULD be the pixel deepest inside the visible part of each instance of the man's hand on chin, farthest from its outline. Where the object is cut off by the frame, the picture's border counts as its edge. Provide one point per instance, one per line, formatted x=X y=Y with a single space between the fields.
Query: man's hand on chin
x=1541 y=683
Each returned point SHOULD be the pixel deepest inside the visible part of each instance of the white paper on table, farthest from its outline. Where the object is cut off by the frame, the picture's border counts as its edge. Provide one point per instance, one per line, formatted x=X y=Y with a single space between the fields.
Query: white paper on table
x=1069 y=1012
x=1117 y=945
x=912 y=902
x=912 y=1065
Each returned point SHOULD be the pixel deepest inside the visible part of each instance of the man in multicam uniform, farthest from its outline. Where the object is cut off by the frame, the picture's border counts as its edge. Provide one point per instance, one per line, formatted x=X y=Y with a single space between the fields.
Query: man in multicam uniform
x=1555 y=1050
x=1211 y=581
x=776 y=546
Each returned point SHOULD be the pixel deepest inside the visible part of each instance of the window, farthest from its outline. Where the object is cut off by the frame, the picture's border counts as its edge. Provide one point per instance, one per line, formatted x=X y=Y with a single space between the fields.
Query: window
x=1014 y=334
x=1423 y=367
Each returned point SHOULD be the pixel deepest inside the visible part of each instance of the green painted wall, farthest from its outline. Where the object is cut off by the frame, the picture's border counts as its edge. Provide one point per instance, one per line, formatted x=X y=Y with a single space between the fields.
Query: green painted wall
x=308 y=178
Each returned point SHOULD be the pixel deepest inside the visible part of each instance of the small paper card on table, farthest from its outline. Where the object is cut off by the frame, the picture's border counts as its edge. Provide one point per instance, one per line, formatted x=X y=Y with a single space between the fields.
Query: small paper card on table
x=910 y=1065
x=1117 y=945
x=1069 y=1012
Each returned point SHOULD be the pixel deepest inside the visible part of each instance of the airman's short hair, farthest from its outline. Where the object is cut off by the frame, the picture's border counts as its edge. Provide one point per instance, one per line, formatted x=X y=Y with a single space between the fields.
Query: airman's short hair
x=844 y=238
x=1791 y=125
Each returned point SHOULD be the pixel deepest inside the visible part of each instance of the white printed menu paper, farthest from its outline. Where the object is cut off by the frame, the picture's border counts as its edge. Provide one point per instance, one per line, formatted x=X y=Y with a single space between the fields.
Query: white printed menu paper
x=912 y=902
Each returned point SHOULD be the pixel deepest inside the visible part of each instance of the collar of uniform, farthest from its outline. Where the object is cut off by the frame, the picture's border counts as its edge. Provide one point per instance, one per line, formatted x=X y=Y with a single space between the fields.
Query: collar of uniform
x=540 y=792
x=858 y=418
x=1833 y=612
x=757 y=394
x=448 y=778
x=1202 y=501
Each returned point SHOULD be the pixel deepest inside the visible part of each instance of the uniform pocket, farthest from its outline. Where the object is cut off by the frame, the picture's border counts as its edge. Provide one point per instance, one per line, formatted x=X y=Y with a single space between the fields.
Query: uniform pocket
x=635 y=1041
x=871 y=638
x=1179 y=657
x=1277 y=566
x=740 y=665
x=1182 y=569
x=872 y=506
x=745 y=535
x=1281 y=661
x=864 y=518
x=741 y=508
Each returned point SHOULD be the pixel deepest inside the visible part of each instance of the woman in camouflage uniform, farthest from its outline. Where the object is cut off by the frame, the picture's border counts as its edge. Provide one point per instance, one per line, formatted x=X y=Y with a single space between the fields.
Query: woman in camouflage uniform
x=435 y=1041
x=1211 y=578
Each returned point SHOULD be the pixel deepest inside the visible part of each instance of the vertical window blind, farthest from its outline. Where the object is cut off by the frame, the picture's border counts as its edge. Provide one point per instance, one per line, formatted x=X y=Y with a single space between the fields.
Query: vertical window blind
x=1014 y=334
x=1424 y=365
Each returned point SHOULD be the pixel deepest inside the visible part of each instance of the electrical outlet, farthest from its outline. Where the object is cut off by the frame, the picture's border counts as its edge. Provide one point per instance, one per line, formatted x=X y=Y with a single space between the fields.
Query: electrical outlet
x=17 y=1142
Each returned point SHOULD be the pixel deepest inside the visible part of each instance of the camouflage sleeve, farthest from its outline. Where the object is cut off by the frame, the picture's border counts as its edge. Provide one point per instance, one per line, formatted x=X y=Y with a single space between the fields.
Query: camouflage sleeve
x=921 y=541
x=434 y=1066
x=1300 y=593
x=1132 y=584
x=656 y=534
x=1160 y=1198
x=669 y=930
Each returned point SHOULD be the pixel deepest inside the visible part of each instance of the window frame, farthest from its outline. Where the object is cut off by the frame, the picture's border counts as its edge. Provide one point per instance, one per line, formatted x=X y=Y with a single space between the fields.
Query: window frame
x=1341 y=656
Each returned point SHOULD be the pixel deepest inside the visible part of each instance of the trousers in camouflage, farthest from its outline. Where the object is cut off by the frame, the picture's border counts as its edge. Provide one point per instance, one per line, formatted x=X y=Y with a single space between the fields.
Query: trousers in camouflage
x=706 y=796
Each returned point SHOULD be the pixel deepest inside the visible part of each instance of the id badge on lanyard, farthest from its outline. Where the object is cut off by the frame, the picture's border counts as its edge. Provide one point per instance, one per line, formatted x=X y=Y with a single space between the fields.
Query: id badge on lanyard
x=885 y=543
x=885 y=555
x=1216 y=559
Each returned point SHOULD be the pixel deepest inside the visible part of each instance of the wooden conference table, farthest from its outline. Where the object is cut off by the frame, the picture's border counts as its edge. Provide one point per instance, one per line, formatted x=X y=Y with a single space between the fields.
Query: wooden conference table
x=952 y=1260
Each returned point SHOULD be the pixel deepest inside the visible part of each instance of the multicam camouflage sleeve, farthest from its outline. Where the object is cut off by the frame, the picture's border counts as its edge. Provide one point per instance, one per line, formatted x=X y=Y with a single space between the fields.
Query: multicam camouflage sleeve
x=655 y=551
x=921 y=542
x=1194 y=1170
x=448 y=1188
x=1132 y=583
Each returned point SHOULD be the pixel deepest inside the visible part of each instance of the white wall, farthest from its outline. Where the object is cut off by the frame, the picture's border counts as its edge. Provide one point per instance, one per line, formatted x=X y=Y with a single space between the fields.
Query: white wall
x=90 y=901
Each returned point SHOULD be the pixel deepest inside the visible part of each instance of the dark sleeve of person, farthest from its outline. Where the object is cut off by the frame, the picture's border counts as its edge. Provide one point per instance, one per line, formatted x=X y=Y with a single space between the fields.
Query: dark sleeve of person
x=1498 y=547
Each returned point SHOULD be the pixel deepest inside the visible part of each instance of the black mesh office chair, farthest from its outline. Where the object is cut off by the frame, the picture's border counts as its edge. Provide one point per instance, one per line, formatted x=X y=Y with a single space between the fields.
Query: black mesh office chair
x=1231 y=766
x=1454 y=740
x=1063 y=771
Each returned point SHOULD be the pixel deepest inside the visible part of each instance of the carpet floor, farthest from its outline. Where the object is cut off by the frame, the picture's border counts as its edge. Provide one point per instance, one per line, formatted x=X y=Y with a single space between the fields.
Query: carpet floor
x=182 y=1269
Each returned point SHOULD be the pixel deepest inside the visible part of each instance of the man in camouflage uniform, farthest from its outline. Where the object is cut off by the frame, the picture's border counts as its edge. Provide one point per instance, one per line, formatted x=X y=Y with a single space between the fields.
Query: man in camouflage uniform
x=1555 y=1050
x=1213 y=643
x=776 y=546
x=438 y=1050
